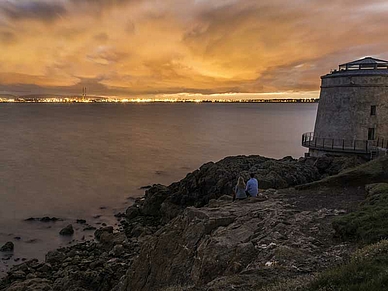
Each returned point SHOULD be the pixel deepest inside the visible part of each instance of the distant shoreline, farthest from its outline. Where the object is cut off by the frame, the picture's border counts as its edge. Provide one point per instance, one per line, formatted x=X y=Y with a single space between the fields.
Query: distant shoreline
x=105 y=101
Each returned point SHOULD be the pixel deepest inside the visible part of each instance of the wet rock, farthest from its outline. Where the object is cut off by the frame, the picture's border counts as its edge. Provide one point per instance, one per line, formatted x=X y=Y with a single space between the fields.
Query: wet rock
x=7 y=247
x=67 y=231
x=44 y=219
x=48 y=219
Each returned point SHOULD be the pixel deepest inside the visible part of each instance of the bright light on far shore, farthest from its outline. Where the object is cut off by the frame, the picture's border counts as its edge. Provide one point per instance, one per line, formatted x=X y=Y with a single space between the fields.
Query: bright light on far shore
x=310 y=96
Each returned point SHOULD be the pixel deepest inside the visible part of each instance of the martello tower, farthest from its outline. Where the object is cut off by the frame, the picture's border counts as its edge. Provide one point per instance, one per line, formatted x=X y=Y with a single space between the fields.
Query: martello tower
x=352 y=115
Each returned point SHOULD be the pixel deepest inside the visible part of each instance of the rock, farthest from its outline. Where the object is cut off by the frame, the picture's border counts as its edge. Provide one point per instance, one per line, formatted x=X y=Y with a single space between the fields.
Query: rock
x=48 y=219
x=45 y=268
x=226 y=198
x=100 y=231
x=81 y=221
x=117 y=250
x=106 y=237
x=43 y=219
x=8 y=247
x=132 y=212
x=154 y=197
x=120 y=215
x=67 y=231
x=18 y=275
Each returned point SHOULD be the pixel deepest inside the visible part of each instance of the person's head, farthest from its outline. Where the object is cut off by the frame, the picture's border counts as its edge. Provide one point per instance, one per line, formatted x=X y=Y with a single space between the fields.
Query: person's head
x=240 y=182
x=252 y=175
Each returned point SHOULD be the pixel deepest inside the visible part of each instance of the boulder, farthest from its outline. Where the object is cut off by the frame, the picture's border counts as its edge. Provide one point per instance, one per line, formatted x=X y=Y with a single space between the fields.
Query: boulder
x=8 y=247
x=67 y=231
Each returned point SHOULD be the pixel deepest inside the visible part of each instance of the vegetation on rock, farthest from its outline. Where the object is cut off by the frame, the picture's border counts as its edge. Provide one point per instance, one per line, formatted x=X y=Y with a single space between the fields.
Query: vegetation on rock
x=369 y=223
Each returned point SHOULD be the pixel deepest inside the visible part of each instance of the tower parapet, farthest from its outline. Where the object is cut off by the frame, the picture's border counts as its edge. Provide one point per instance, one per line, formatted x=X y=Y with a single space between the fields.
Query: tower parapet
x=352 y=114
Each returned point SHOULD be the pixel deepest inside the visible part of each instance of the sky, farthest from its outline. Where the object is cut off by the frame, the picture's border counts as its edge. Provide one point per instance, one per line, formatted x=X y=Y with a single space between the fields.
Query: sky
x=186 y=47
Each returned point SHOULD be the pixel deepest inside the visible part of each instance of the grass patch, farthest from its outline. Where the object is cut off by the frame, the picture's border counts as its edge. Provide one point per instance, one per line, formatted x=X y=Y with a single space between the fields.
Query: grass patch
x=367 y=270
x=369 y=224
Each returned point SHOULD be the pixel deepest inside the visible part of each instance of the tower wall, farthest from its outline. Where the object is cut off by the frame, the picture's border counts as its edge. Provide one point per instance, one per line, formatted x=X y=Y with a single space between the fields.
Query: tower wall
x=344 y=110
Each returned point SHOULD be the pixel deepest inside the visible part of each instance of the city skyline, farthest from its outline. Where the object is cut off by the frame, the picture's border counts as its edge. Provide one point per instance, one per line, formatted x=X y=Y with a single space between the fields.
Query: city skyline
x=194 y=48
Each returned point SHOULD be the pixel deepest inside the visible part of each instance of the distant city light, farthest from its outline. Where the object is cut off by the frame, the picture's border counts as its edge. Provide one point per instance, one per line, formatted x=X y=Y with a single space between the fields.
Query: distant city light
x=148 y=100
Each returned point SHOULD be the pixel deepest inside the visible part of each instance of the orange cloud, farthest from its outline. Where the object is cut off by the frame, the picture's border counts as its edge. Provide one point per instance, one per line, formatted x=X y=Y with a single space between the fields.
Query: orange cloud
x=131 y=47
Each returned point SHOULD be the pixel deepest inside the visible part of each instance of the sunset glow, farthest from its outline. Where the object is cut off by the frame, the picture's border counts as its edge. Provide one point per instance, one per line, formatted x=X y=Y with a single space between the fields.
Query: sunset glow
x=142 y=48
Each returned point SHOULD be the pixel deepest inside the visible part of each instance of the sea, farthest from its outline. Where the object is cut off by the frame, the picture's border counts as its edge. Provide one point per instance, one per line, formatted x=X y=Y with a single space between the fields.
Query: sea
x=90 y=161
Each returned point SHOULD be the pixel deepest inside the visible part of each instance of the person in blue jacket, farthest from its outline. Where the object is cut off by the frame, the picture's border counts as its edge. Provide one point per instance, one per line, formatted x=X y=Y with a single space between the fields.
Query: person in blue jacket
x=252 y=188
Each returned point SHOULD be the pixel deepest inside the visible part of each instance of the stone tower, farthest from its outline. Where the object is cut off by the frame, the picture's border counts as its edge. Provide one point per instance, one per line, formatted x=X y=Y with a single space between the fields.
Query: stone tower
x=352 y=115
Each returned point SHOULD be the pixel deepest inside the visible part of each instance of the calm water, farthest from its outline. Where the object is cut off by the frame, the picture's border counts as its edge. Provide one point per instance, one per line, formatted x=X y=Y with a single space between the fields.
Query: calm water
x=85 y=160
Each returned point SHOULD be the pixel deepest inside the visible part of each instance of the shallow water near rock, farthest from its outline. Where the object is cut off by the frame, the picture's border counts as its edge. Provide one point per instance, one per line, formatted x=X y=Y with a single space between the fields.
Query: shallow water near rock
x=83 y=161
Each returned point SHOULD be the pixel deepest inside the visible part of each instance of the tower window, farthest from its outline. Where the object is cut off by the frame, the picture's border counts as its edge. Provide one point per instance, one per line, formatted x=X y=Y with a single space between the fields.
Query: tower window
x=371 y=133
x=373 y=110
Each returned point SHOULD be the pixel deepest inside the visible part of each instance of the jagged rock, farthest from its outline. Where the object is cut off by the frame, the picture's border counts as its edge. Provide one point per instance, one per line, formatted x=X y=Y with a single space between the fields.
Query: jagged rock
x=8 y=247
x=68 y=230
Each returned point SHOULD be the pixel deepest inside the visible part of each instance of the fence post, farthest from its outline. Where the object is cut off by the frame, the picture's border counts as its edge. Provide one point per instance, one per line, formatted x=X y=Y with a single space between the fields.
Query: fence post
x=323 y=143
x=343 y=144
x=354 y=145
x=332 y=143
x=366 y=146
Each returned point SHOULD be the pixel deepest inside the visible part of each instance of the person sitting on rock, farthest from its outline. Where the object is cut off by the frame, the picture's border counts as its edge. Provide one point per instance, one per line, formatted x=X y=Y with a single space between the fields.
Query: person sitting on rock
x=239 y=190
x=252 y=188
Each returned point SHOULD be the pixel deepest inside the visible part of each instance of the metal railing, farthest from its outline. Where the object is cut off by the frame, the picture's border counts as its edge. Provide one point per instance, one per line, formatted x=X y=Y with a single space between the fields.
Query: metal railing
x=343 y=145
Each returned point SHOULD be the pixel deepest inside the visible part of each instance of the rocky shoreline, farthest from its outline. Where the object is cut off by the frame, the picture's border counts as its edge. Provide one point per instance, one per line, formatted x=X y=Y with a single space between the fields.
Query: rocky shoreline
x=191 y=236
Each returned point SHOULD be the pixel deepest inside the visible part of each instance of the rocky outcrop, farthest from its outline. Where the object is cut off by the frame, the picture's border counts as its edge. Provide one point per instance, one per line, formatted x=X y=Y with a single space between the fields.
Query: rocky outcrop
x=213 y=180
x=263 y=239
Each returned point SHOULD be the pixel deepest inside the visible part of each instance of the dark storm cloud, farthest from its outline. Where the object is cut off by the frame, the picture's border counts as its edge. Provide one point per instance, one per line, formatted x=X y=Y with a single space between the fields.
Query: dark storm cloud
x=24 y=10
